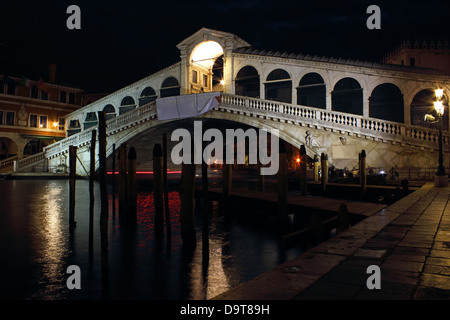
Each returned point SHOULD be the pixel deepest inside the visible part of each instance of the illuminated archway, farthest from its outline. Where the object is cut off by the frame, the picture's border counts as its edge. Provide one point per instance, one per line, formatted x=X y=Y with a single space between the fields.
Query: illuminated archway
x=206 y=67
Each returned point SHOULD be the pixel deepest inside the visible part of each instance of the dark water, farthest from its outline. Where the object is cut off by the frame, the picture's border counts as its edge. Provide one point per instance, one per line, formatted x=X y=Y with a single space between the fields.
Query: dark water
x=37 y=246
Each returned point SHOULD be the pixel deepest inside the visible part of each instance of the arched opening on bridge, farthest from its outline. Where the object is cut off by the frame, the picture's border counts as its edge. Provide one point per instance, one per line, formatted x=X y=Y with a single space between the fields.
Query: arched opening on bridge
x=347 y=96
x=311 y=91
x=127 y=104
x=206 y=69
x=217 y=74
x=278 y=86
x=74 y=127
x=8 y=148
x=147 y=95
x=110 y=111
x=247 y=82
x=90 y=120
x=170 y=87
x=33 y=147
x=422 y=104
x=386 y=102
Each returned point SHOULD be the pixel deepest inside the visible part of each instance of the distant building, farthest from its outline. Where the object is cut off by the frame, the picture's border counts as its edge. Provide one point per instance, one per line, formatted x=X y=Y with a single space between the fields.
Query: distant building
x=32 y=111
x=424 y=54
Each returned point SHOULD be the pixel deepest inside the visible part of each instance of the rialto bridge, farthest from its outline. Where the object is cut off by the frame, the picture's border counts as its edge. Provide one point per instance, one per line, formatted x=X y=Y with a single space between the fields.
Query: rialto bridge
x=331 y=105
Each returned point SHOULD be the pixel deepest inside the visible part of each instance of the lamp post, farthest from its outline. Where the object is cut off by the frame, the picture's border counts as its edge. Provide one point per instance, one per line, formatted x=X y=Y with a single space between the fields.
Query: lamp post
x=441 y=179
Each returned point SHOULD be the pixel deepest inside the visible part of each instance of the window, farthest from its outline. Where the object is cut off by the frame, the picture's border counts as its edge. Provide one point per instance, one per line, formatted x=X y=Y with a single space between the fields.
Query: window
x=10 y=117
x=11 y=89
x=194 y=76
x=71 y=97
x=34 y=92
x=62 y=96
x=1 y=117
x=205 y=80
x=412 y=62
x=43 y=122
x=33 y=120
x=62 y=123
x=44 y=95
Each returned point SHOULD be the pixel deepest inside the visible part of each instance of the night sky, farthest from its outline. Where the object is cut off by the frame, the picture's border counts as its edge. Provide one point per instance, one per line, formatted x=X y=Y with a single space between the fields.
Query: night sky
x=123 y=41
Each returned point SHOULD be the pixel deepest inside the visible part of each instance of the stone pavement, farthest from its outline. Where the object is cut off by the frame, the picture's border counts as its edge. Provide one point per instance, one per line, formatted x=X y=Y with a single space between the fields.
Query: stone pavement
x=409 y=241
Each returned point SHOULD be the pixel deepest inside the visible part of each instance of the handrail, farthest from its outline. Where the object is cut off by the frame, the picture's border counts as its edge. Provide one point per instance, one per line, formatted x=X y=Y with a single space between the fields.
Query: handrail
x=7 y=162
x=395 y=131
x=137 y=115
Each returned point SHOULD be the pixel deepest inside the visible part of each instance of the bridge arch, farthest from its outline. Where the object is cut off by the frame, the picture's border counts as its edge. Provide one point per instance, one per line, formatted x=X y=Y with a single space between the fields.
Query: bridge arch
x=8 y=147
x=110 y=111
x=386 y=102
x=147 y=95
x=170 y=87
x=127 y=104
x=422 y=104
x=347 y=96
x=311 y=91
x=247 y=82
x=278 y=86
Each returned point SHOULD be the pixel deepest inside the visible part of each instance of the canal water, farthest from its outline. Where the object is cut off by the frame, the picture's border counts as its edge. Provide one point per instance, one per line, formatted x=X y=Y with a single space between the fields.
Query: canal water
x=37 y=246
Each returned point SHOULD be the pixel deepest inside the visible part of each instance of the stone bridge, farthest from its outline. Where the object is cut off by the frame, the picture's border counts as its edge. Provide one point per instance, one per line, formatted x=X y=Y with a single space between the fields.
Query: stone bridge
x=333 y=106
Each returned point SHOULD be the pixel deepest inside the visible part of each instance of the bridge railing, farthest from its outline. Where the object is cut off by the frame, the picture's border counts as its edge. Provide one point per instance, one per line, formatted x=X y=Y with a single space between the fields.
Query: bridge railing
x=139 y=114
x=27 y=162
x=335 y=120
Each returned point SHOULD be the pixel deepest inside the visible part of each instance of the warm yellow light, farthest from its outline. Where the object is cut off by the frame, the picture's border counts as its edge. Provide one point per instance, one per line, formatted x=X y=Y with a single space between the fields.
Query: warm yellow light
x=222 y=82
x=40 y=126
x=55 y=124
x=206 y=53
x=439 y=107
x=439 y=93
x=298 y=159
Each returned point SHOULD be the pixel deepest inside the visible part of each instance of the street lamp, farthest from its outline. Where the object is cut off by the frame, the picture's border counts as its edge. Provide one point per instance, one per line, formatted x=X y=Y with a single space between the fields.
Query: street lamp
x=441 y=178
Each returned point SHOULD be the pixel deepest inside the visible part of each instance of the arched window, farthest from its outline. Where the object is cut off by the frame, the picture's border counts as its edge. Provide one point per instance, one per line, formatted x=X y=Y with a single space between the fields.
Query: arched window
x=170 y=87
x=110 y=111
x=90 y=120
x=127 y=105
x=278 y=86
x=311 y=91
x=422 y=104
x=147 y=95
x=347 y=96
x=247 y=82
x=386 y=102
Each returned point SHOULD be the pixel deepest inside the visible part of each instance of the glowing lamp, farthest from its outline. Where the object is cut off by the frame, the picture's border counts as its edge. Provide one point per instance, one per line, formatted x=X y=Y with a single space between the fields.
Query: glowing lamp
x=439 y=93
x=439 y=107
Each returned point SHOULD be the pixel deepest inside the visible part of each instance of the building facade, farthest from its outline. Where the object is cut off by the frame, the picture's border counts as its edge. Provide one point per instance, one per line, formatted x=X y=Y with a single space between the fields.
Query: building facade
x=32 y=113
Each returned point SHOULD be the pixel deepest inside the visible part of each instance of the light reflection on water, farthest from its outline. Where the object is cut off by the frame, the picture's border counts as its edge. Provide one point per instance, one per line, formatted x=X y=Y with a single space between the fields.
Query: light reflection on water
x=36 y=247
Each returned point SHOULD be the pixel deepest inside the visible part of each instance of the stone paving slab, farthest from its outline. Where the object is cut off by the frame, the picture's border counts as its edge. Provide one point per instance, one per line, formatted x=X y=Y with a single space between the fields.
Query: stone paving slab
x=409 y=241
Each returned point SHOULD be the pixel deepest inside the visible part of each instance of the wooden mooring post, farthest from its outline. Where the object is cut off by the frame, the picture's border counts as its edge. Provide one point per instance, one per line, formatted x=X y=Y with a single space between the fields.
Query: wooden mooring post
x=362 y=172
x=282 y=188
x=343 y=219
x=303 y=167
x=187 y=205
x=91 y=190
x=72 y=179
x=122 y=178
x=158 y=186
x=166 y=188
x=113 y=178
x=324 y=171
x=316 y=168
x=132 y=191
x=104 y=202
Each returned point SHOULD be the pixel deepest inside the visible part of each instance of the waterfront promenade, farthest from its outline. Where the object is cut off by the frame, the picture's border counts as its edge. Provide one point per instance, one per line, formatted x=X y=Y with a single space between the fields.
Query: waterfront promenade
x=409 y=240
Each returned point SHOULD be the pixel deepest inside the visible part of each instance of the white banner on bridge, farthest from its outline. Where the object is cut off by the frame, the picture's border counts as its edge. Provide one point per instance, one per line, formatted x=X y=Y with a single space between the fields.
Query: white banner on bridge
x=186 y=106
